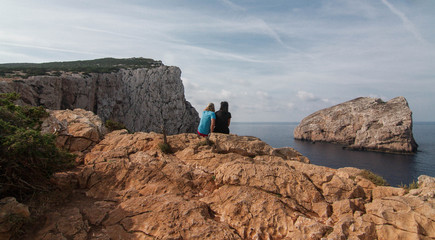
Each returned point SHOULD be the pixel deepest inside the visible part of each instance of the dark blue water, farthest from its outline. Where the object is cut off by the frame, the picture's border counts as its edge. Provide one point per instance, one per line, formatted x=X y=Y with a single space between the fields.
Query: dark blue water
x=396 y=169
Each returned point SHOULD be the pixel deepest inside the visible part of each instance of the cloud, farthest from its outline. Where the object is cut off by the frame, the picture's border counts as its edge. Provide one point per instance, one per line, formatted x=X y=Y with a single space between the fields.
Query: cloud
x=409 y=26
x=233 y=6
x=306 y=96
x=254 y=54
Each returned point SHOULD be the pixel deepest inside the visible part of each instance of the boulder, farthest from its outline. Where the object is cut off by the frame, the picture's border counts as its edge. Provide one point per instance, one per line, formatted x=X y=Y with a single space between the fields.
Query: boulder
x=362 y=124
x=76 y=130
x=12 y=216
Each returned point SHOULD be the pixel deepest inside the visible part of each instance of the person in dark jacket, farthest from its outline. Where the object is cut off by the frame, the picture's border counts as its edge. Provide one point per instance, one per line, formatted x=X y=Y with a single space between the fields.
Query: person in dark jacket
x=223 y=119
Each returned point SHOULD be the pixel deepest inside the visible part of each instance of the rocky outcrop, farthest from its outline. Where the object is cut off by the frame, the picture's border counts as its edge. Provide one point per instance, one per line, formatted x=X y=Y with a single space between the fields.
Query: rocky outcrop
x=143 y=99
x=77 y=131
x=363 y=124
x=230 y=187
x=12 y=216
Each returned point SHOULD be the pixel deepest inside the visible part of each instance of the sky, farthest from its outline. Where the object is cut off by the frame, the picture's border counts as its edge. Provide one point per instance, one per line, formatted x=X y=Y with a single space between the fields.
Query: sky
x=273 y=61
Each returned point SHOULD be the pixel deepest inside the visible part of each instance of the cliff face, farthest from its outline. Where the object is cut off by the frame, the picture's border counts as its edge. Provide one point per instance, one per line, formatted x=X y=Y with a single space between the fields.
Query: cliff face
x=363 y=123
x=143 y=99
x=235 y=188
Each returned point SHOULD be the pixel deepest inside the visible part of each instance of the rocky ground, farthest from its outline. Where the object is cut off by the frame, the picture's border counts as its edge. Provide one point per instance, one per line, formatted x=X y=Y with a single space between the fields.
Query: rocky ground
x=232 y=187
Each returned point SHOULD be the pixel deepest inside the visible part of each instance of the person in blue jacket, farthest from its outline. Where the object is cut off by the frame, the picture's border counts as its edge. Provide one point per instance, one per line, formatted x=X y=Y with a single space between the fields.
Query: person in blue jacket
x=207 y=122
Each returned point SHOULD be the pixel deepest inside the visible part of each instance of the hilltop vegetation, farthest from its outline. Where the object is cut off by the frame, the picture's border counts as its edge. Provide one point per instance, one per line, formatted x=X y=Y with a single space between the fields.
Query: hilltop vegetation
x=103 y=65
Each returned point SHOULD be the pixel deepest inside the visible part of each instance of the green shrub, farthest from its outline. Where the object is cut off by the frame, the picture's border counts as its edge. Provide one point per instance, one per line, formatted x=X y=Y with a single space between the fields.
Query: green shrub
x=413 y=185
x=376 y=179
x=205 y=142
x=27 y=157
x=113 y=125
x=165 y=148
x=103 y=65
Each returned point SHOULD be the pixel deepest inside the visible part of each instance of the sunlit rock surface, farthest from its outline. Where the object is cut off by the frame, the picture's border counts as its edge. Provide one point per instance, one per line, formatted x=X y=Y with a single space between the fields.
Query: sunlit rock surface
x=363 y=124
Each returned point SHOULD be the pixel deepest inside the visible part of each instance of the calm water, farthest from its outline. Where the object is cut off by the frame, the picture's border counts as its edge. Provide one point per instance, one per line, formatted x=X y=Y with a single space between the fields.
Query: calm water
x=396 y=169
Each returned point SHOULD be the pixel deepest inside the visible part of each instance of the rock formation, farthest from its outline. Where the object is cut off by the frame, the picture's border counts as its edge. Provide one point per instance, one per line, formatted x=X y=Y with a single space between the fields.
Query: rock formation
x=231 y=187
x=12 y=216
x=363 y=124
x=143 y=99
x=76 y=131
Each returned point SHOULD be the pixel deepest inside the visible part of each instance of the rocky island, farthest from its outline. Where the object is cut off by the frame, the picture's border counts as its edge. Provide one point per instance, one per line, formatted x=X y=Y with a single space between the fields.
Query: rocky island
x=231 y=187
x=363 y=124
x=143 y=94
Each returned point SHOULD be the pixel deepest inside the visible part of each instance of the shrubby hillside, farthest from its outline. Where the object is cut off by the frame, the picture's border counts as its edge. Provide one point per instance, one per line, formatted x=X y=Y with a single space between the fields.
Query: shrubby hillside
x=27 y=157
x=103 y=65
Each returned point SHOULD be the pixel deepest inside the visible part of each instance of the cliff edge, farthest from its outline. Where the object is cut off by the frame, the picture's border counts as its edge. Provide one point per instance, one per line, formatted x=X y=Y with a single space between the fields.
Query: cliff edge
x=143 y=99
x=364 y=124
x=232 y=187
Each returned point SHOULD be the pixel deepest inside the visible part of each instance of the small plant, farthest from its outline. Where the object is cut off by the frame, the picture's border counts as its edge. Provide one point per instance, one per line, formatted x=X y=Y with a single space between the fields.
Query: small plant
x=413 y=185
x=205 y=142
x=374 y=178
x=113 y=125
x=165 y=148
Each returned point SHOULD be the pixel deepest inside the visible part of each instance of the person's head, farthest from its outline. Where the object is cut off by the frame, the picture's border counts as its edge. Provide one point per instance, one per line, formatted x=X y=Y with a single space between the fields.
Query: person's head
x=210 y=107
x=224 y=106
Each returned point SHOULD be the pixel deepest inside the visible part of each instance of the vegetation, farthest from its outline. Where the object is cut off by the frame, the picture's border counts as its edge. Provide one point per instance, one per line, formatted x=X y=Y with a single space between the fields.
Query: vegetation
x=165 y=148
x=205 y=142
x=376 y=179
x=104 y=65
x=113 y=125
x=413 y=185
x=27 y=157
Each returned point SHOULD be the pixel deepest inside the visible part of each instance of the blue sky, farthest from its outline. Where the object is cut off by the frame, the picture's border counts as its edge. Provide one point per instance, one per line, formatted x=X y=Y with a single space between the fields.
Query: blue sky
x=277 y=60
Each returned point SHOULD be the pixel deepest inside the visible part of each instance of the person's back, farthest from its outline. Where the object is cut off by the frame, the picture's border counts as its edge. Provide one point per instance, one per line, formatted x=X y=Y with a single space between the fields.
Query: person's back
x=223 y=119
x=207 y=121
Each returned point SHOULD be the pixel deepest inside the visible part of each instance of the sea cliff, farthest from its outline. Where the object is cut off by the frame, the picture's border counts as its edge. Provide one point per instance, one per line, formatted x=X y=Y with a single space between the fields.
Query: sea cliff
x=144 y=99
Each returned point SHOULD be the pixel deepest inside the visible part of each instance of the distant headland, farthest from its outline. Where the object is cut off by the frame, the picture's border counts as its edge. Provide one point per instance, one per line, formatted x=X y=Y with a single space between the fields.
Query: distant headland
x=142 y=93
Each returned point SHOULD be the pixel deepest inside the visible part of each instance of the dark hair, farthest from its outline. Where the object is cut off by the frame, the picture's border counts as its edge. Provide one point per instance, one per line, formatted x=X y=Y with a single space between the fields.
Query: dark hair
x=224 y=106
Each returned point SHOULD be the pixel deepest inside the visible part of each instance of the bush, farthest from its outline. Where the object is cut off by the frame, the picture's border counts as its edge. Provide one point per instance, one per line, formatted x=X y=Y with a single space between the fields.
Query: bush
x=413 y=185
x=376 y=179
x=112 y=125
x=165 y=148
x=27 y=157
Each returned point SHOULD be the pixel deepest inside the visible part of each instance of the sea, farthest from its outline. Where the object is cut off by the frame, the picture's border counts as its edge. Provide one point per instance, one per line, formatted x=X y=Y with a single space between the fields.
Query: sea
x=397 y=169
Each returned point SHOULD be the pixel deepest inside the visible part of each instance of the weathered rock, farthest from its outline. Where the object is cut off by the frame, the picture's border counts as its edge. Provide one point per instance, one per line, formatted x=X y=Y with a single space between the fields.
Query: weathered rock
x=143 y=99
x=364 y=124
x=228 y=188
x=166 y=216
x=12 y=216
x=67 y=224
x=257 y=214
x=76 y=131
x=384 y=191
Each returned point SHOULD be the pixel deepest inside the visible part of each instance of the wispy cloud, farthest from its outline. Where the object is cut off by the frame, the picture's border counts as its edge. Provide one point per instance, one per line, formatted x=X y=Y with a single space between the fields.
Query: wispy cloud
x=306 y=96
x=409 y=26
x=255 y=56
x=233 y=6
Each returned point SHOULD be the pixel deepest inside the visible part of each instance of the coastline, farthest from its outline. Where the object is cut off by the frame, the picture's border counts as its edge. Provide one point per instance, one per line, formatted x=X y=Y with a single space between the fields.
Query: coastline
x=396 y=169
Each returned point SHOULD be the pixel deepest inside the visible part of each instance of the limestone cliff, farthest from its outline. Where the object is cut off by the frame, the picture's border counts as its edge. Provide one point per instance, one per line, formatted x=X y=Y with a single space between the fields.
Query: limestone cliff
x=233 y=188
x=143 y=99
x=364 y=124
